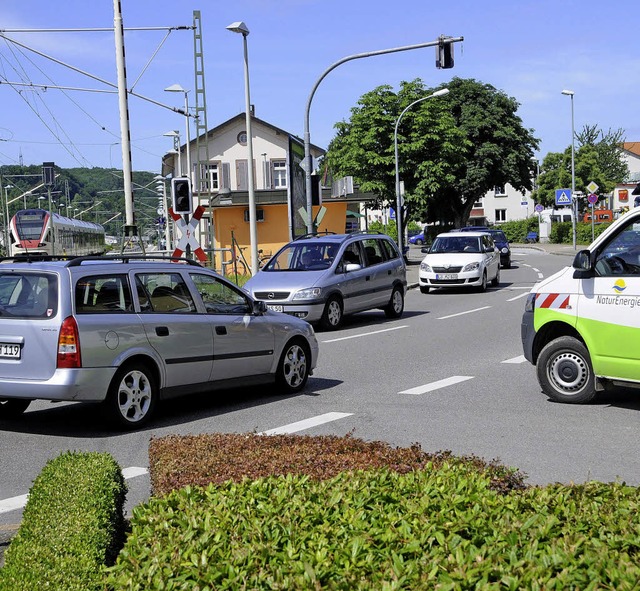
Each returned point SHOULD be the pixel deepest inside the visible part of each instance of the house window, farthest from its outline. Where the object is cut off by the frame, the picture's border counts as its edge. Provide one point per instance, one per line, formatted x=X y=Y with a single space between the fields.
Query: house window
x=242 y=138
x=209 y=177
x=499 y=191
x=279 y=174
x=501 y=215
x=478 y=204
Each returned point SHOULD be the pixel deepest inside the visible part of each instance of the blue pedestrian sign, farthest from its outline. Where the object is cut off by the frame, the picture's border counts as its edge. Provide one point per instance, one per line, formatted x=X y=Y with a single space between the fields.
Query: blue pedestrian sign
x=563 y=196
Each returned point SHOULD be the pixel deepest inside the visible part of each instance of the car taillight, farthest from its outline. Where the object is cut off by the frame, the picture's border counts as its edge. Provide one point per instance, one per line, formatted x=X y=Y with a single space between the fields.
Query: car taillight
x=69 y=344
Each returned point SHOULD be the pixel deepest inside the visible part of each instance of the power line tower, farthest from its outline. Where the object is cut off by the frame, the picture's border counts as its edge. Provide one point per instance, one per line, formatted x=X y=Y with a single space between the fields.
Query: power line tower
x=202 y=185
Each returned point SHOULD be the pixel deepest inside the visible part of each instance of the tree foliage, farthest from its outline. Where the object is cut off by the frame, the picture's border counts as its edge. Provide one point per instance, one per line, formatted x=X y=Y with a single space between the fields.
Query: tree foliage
x=597 y=158
x=451 y=149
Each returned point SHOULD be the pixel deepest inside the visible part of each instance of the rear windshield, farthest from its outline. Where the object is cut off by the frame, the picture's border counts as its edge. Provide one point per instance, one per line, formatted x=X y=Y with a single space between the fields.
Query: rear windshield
x=28 y=295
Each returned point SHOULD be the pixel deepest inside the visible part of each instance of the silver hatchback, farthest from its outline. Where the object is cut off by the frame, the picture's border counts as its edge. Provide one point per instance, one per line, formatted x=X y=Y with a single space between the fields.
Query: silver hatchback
x=128 y=331
x=323 y=277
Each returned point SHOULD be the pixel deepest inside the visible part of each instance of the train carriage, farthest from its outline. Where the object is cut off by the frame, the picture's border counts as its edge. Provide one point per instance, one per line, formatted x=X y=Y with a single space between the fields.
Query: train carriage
x=38 y=231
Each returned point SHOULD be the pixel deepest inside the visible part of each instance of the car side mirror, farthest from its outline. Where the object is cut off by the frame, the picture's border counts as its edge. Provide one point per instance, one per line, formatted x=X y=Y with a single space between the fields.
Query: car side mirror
x=425 y=249
x=350 y=267
x=259 y=307
x=583 y=265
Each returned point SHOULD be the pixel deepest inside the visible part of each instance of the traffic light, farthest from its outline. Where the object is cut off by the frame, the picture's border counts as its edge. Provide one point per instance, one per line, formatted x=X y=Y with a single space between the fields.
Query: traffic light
x=181 y=199
x=444 y=54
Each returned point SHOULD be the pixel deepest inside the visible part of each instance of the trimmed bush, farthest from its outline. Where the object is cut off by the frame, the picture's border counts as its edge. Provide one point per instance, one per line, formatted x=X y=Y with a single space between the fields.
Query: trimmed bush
x=72 y=525
x=176 y=461
x=434 y=528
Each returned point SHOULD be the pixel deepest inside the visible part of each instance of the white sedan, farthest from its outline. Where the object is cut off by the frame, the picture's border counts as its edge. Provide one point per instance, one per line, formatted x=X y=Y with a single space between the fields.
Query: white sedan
x=460 y=259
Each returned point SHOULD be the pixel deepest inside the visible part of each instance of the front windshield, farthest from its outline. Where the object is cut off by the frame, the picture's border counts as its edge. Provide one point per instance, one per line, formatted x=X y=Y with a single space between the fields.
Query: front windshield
x=455 y=244
x=307 y=256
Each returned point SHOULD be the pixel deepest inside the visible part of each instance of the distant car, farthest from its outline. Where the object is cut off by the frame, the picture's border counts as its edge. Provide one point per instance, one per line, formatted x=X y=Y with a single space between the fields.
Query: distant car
x=458 y=259
x=323 y=277
x=418 y=239
x=128 y=331
x=500 y=240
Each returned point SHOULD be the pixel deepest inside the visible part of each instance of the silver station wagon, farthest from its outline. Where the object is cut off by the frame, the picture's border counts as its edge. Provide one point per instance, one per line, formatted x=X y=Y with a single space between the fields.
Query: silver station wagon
x=323 y=277
x=128 y=331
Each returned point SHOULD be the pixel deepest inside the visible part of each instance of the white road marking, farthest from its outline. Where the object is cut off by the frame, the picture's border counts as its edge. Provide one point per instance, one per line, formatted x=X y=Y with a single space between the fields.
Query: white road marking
x=307 y=423
x=522 y=295
x=15 y=503
x=463 y=313
x=518 y=359
x=437 y=385
x=365 y=334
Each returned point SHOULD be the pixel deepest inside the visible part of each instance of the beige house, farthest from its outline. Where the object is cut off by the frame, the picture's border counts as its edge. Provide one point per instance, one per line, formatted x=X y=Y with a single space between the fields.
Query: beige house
x=220 y=186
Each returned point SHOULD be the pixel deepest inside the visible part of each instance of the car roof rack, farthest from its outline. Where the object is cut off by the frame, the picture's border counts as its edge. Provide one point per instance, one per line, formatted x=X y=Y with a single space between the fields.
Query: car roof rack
x=313 y=235
x=126 y=258
x=36 y=258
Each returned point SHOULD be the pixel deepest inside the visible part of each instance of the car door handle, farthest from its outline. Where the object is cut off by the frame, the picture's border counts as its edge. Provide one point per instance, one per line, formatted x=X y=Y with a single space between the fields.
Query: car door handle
x=368 y=278
x=221 y=330
x=162 y=331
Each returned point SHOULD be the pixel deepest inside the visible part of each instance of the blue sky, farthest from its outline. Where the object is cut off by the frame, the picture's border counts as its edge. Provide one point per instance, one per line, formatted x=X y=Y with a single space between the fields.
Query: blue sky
x=530 y=50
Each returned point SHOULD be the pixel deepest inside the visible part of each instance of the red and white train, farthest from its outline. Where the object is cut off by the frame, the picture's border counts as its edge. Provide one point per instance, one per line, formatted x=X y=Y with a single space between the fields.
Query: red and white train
x=38 y=231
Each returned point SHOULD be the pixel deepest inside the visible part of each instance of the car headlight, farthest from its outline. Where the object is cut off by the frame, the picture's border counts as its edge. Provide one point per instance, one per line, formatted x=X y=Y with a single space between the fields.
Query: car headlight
x=310 y=293
x=471 y=267
x=504 y=250
x=530 y=304
x=425 y=267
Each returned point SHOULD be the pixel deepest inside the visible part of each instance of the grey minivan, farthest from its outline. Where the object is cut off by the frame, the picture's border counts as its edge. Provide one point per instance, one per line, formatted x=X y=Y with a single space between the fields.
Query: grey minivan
x=127 y=331
x=322 y=277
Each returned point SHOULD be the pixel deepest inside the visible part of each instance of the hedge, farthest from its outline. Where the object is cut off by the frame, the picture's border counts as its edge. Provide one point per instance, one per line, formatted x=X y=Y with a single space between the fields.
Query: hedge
x=72 y=526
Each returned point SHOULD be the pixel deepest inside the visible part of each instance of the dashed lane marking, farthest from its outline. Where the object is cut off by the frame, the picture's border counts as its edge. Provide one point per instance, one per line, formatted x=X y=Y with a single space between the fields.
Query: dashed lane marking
x=437 y=385
x=518 y=359
x=463 y=313
x=307 y=423
x=522 y=295
x=365 y=334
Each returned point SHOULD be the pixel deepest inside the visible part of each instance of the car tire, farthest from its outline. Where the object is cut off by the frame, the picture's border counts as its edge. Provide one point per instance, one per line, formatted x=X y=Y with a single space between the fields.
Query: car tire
x=507 y=265
x=565 y=372
x=132 y=396
x=496 y=280
x=419 y=242
x=483 y=285
x=395 y=307
x=332 y=314
x=12 y=407
x=424 y=289
x=293 y=367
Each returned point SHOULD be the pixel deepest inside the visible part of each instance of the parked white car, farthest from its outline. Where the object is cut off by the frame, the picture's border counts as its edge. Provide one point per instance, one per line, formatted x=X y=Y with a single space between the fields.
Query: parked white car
x=460 y=259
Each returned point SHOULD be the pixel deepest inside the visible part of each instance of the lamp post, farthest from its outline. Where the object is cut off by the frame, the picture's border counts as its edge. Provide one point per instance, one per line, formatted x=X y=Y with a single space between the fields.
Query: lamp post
x=176 y=146
x=441 y=92
x=574 y=202
x=307 y=137
x=240 y=27
x=178 y=88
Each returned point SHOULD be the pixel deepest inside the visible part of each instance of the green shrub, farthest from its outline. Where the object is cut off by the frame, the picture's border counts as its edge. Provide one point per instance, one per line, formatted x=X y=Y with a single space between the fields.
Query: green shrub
x=517 y=230
x=72 y=526
x=438 y=528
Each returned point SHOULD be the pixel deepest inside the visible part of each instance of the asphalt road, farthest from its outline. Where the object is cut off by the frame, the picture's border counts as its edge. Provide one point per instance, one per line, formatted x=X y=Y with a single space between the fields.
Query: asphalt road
x=448 y=375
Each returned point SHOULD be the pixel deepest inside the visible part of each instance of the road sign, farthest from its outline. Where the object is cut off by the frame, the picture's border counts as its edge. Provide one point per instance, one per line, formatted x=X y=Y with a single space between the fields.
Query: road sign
x=563 y=196
x=187 y=229
x=539 y=208
x=593 y=198
x=592 y=187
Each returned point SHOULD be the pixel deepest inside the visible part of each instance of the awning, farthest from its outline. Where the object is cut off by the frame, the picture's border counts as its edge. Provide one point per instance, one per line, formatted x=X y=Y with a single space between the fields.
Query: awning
x=354 y=214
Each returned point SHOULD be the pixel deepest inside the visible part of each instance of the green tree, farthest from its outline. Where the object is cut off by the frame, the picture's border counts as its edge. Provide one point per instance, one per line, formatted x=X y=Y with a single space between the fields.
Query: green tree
x=452 y=150
x=598 y=158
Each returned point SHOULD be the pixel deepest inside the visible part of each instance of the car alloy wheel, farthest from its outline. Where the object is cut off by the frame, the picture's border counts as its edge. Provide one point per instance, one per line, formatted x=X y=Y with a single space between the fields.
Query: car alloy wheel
x=293 y=368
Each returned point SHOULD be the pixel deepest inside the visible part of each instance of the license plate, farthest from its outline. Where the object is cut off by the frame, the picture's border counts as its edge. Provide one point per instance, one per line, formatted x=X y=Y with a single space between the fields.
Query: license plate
x=9 y=351
x=275 y=308
x=447 y=276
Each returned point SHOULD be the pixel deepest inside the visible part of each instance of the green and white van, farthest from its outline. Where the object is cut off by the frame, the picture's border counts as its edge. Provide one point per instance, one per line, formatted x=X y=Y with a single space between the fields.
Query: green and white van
x=581 y=326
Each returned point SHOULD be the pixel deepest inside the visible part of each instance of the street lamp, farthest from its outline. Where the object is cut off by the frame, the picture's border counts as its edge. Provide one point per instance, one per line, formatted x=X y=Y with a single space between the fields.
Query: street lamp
x=441 y=92
x=240 y=27
x=178 y=88
x=574 y=202
x=176 y=146
x=307 y=136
